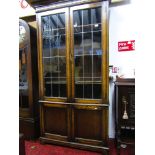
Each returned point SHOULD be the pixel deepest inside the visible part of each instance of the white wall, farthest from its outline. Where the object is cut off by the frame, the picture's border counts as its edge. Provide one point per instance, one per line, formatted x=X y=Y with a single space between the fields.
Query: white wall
x=25 y=9
x=121 y=28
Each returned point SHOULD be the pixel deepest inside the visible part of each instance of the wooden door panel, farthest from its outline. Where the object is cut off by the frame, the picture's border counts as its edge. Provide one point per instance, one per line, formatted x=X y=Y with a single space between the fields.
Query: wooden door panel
x=56 y=120
x=88 y=124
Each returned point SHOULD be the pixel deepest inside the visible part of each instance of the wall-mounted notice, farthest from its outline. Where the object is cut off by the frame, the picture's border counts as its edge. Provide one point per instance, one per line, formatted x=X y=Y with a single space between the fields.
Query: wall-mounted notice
x=126 y=45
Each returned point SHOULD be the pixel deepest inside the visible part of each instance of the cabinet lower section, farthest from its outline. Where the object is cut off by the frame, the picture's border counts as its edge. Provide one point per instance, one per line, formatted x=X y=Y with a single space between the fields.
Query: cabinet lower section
x=83 y=126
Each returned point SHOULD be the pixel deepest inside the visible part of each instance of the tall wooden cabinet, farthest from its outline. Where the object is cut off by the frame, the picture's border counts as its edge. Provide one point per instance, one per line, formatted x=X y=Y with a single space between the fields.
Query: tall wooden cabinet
x=73 y=74
x=28 y=81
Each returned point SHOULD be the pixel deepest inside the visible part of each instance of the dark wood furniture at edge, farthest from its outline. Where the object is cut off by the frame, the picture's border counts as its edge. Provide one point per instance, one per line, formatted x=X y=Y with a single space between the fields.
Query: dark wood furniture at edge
x=73 y=73
x=125 y=113
x=21 y=144
x=28 y=84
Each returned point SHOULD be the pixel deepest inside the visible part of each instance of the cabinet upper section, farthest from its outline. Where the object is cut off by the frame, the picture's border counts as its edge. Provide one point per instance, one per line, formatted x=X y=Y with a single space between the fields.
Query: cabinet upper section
x=73 y=53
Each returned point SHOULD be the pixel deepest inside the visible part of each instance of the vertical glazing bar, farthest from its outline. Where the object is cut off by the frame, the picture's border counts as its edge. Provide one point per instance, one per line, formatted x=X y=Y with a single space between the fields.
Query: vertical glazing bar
x=58 y=69
x=72 y=61
x=92 y=53
x=50 y=46
x=83 y=52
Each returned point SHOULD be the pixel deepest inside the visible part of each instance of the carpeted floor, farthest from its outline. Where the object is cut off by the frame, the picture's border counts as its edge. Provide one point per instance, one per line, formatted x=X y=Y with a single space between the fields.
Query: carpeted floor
x=35 y=148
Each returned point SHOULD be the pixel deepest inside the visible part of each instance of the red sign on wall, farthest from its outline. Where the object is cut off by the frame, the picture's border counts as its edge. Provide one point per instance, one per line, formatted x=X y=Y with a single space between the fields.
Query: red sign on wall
x=126 y=45
x=24 y=4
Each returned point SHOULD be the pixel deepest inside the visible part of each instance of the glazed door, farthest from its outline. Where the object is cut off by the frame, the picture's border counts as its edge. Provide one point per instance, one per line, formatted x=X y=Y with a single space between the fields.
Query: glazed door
x=89 y=52
x=89 y=73
x=54 y=55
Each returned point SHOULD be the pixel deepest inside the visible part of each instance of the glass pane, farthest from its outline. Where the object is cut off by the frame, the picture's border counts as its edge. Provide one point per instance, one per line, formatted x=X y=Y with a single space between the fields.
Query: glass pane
x=97 y=43
x=61 y=24
x=87 y=43
x=54 y=55
x=77 y=21
x=96 y=19
x=78 y=44
x=78 y=69
x=23 y=83
x=87 y=20
x=87 y=53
